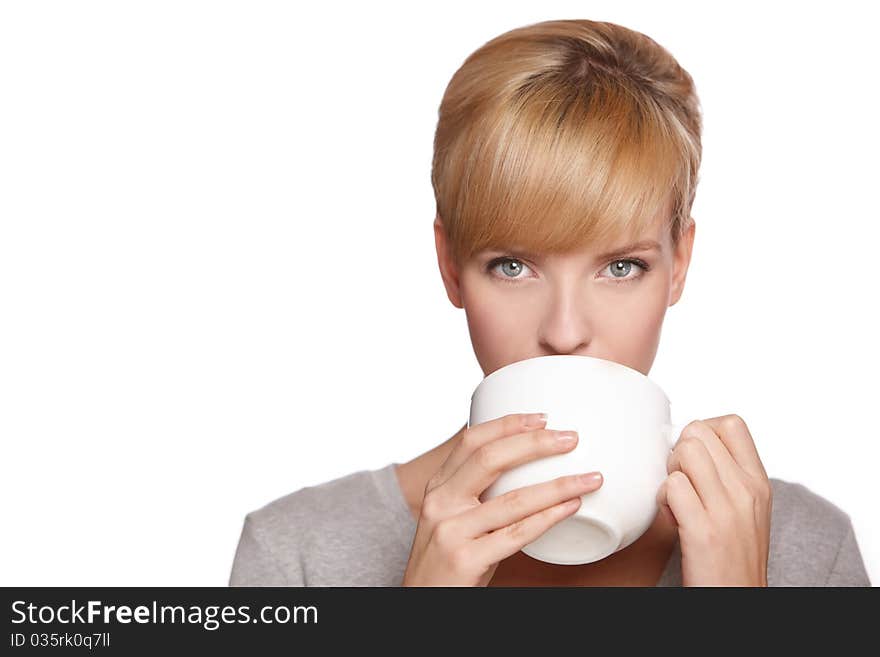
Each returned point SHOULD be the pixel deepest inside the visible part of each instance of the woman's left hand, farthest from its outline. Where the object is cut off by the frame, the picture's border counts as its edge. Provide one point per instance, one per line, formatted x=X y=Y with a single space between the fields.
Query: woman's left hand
x=719 y=496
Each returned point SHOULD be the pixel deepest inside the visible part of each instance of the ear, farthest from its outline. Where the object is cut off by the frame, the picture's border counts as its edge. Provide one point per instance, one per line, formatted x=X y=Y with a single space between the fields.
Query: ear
x=681 y=262
x=448 y=270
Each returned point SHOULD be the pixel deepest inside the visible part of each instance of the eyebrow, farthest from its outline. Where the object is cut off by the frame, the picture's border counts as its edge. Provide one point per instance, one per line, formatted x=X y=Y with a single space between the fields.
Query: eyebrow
x=642 y=245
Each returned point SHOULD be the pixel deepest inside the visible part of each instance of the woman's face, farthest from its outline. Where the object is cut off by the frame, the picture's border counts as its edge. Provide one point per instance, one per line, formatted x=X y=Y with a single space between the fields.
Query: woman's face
x=586 y=303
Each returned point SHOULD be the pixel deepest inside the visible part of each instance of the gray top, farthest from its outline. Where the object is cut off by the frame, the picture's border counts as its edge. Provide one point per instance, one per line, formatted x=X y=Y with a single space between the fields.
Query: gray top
x=357 y=530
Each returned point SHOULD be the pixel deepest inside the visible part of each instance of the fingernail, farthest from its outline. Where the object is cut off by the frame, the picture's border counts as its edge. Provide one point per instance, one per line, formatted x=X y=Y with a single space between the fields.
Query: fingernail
x=536 y=420
x=566 y=437
x=591 y=478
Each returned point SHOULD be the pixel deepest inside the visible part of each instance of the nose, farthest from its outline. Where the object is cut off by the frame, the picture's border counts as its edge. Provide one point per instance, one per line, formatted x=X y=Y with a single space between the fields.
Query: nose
x=566 y=327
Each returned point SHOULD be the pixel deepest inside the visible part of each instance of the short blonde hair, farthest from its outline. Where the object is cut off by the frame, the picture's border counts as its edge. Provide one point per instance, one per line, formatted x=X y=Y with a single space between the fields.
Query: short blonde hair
x=565 y=133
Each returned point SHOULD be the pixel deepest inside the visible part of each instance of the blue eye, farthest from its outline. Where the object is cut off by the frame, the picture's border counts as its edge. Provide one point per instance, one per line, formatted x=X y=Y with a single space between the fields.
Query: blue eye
x=513 y=271
x=620 y=268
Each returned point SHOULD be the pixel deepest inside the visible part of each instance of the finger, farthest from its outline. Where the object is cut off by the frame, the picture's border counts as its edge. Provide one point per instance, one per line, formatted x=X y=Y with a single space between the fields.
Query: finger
x=734 y=433
x=508 y=540
x=476 y=436
x=691 y=457
x=678 y=495
x=522 y=502
x=728 y=469
x=485 y=464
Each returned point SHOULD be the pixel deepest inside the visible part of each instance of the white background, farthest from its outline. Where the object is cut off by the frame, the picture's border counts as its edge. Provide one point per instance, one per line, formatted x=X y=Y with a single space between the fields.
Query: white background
x=218 y=281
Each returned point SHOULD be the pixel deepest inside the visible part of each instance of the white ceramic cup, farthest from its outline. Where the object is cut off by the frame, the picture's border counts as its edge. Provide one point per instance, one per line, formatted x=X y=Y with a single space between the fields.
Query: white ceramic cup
x=625 y=432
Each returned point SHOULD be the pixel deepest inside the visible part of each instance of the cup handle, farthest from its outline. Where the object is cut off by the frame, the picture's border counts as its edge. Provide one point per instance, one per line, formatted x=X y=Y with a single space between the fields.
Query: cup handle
x=671 y=433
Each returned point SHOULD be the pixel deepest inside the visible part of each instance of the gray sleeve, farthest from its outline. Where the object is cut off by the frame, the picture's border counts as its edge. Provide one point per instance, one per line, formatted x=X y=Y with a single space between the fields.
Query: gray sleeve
x=848 y=568
x=254 y=564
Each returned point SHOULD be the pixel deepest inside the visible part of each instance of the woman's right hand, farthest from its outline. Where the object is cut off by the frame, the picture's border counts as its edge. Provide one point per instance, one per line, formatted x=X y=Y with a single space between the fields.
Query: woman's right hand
x=460 y=540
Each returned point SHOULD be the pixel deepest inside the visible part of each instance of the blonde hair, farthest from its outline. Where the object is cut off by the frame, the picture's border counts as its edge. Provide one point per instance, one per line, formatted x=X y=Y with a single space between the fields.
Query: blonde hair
x=565 y=133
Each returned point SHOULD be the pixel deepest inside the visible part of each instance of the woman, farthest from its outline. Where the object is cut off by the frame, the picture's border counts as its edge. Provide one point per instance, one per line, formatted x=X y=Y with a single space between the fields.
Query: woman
x=565 y=165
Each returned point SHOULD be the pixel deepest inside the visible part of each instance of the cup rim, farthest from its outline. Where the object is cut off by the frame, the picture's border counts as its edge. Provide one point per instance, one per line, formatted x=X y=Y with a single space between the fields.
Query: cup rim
x=642 y=377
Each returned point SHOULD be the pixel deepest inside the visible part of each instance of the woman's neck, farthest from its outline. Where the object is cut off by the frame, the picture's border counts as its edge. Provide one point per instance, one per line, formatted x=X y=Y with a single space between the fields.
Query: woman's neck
x=413 y=475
